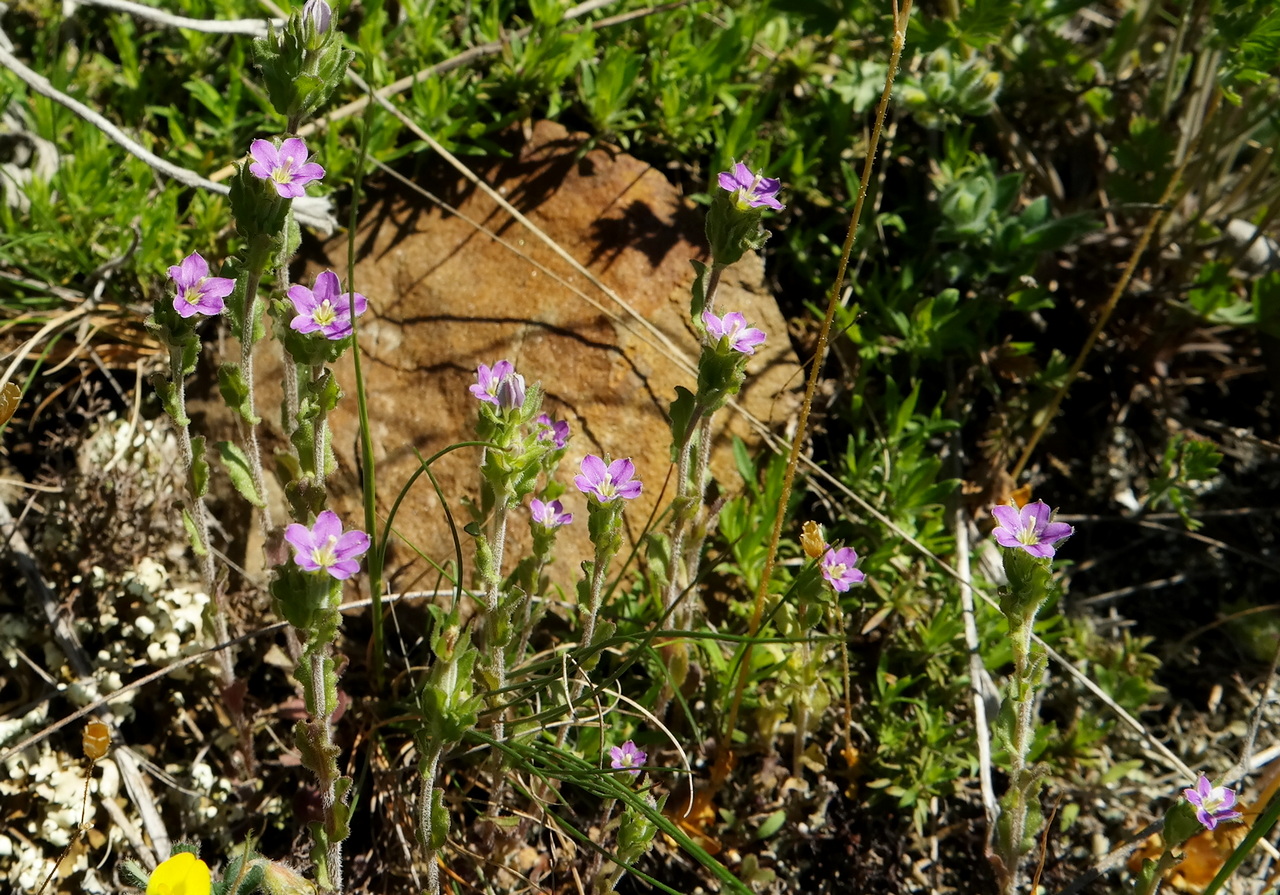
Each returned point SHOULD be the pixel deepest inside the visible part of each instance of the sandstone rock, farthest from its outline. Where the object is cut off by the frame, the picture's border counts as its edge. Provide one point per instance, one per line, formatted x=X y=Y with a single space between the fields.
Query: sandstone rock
x=445 y=297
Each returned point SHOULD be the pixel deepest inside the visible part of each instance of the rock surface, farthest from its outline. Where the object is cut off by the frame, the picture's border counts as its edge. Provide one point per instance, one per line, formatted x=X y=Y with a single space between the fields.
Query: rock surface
x=445 y=296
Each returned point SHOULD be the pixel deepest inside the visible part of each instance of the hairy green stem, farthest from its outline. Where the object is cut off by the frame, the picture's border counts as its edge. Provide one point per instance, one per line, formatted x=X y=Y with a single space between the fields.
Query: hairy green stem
x=257 y=265
x=321 y=433
x=1013 y=830
x=689 y=489
x=327 y=774
x=200 y=517
x=494 y=651
x=426 y=799
x=1167 y=861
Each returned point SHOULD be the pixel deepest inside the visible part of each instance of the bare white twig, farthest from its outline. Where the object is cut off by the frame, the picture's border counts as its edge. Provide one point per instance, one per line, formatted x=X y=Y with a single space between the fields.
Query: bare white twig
x=312 y=211
x=977 y=671
x=251 y=27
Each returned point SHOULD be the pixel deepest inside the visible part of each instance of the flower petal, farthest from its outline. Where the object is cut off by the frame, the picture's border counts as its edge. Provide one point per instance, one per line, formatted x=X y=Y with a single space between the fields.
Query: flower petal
x=593 y=469
x=1008 y=519
x=194 y=268
x=344 y=569
x=299 y=537
x=327 y=526
x=352 y=544
x=1035 y=516
x=265 y=153
x=304 y=300
x=219 y=287
x=294 y=150
x=1056 y=531
x=622 y=471
x=344 y=303
x=1204 y=788
x=309 y=172
x=327 y=287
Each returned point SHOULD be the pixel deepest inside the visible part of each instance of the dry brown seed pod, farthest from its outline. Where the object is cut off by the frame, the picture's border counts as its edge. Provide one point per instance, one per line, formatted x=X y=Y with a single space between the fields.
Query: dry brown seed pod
x=95 y=740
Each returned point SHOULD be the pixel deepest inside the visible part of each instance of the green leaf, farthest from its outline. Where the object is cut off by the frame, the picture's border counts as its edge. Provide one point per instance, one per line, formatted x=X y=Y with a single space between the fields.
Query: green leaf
x=772 y=824
x=199 y=473
x=169 y=399
x=235 y=392
x=701 y=281
x=193 y=534
x=240 y=472
x=682 y=409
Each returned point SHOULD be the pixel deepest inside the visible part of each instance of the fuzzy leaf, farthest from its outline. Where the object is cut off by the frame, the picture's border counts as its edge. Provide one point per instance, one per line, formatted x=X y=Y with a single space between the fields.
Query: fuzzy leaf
x=199 y=480
x=193 y=534
x=238 y=470
x=235 y=392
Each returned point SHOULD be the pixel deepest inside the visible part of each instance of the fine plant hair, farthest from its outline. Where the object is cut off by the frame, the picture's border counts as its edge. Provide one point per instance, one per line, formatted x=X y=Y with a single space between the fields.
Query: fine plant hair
x=554 y=724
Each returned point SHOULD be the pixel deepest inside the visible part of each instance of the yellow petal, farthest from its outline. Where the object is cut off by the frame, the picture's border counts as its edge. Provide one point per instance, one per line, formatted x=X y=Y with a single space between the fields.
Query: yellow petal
x=183 y=874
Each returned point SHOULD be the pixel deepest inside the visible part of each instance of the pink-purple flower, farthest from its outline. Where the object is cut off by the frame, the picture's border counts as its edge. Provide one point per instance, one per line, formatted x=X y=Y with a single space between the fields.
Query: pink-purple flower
x=1213 y=804
x=551 y=514
x=324 y=308
x=325 y=547
x=286 y=168
x=838 y=568
x=733 y=326
x=499 y=385
x=751 y=190
x=1029 y=529
x=556 y=432
x=628 y=757
x=199 y=293
x=608 y=483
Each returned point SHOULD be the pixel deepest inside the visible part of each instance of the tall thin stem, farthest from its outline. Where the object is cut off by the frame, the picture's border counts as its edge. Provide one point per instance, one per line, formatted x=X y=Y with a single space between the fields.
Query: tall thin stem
x=253 y=450
x=200 y=518
x=900 y=16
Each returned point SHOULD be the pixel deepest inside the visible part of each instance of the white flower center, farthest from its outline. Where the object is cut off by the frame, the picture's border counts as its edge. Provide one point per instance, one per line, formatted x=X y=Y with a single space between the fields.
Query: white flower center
x=283 y=173
x=1213 y=801
x=192 y=294
x=325 y=555
x=606 y=489
x=325 y=313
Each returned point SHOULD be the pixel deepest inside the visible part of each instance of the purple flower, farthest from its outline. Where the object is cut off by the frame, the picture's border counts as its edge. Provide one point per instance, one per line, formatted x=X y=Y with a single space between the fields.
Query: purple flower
x=1029 y=529
x=1213 y=803
x=287 y=167
x=606 y=484
x=317 y=15
x=733 y=326
x=199 y=293
x=499 y=385
x=551 y=515
x=324 y=309
x=628 y=757
x=556 y=432
x=324 y=546
x=751 y=190
x=838 y=568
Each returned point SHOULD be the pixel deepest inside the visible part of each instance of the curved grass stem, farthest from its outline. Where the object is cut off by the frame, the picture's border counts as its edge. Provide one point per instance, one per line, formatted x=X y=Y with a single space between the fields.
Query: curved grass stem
x=901 y=14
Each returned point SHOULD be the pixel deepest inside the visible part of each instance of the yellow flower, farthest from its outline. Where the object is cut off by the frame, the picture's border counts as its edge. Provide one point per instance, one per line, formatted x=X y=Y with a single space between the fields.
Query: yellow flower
x=183 y=874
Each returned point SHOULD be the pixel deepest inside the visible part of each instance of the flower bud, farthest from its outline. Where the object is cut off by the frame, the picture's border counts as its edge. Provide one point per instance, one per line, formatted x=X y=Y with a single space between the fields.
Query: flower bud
x=316 y=18
x=278 y=879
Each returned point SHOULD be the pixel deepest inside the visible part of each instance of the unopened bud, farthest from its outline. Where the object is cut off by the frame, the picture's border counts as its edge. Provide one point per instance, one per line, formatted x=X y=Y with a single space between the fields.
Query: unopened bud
x=317 y=16
x=281 y=880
